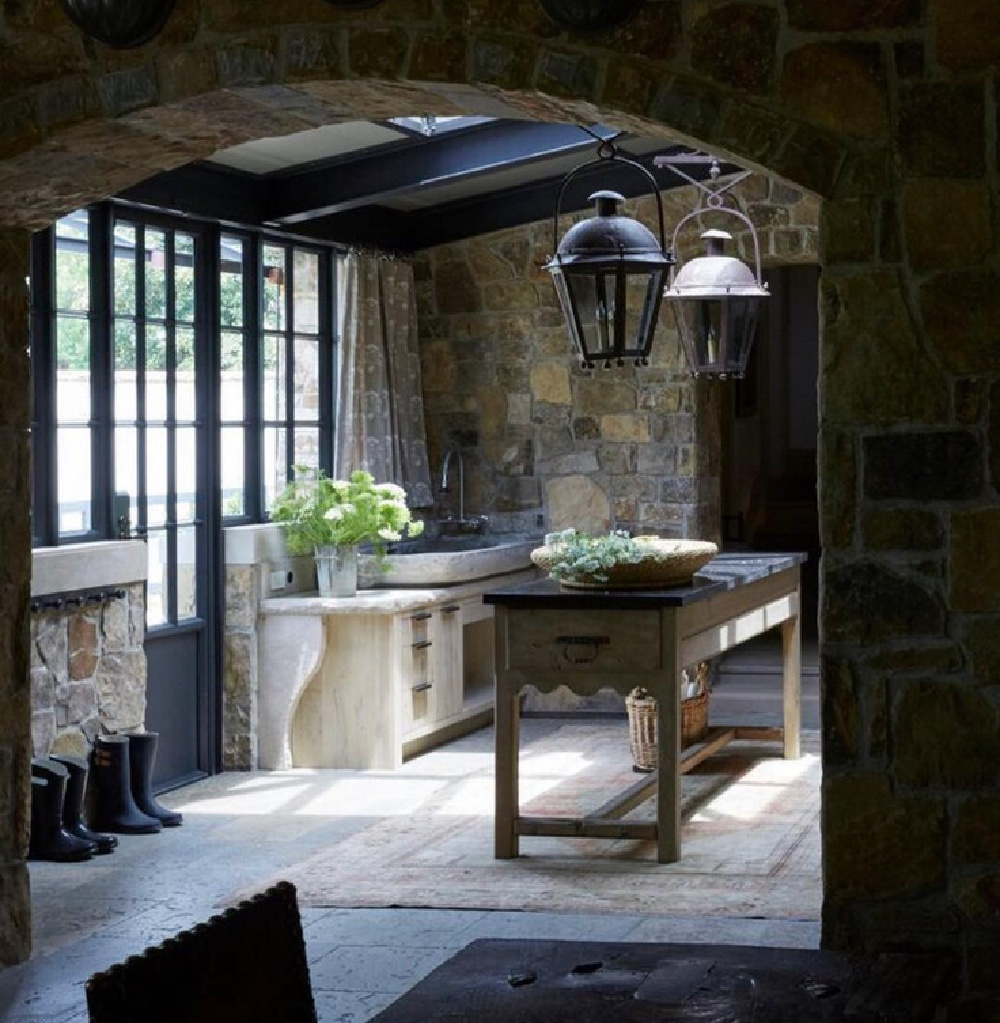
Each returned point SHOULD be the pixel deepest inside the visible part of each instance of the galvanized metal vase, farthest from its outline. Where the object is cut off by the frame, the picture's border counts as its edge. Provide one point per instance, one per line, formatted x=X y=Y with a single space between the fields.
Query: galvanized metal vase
x=337 y=570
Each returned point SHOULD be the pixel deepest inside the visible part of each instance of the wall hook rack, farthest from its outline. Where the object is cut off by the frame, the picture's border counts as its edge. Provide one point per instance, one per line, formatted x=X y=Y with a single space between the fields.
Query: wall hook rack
x=73 y=601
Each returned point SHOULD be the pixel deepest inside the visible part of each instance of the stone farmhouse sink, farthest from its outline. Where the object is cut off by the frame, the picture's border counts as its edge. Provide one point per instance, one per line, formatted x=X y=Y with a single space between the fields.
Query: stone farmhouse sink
x=441 y=561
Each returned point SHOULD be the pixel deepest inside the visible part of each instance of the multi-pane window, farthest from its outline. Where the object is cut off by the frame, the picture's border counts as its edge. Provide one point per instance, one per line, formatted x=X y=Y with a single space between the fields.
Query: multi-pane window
x=296 y=364
x=236 y=345
x=73 y=384
x=120 y=300
x=156 y=408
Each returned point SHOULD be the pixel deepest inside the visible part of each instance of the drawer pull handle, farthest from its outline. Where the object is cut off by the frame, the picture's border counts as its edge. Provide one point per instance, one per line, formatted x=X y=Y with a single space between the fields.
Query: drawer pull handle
x=594 y=643
x=422 y=644
x=422 y=687
x=450 y=609
x=421 y=616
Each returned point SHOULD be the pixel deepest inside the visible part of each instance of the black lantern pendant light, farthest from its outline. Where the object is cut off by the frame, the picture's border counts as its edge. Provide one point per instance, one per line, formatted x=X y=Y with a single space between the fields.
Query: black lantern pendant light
x=121 y=24
x=609 y=273
x=716 y=299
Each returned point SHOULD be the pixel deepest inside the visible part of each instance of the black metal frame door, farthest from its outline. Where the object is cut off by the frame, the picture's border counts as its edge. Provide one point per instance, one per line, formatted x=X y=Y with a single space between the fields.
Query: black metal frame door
x=163 y=410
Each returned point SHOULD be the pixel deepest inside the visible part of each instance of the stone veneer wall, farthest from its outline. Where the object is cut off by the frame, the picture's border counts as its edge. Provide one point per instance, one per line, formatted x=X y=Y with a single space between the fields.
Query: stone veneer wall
x=887 y=110
x=88 y=674
x=628 y=448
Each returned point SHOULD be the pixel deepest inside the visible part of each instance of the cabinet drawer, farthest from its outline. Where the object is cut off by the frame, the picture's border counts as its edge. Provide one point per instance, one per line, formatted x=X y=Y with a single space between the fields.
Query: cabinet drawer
x=584 y=640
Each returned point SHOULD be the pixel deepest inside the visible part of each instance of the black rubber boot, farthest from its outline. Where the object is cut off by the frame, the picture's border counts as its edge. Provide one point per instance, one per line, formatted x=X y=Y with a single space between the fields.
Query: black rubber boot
x=116 y=810
x=142 y=754
x=49 y=840
x=73 y=820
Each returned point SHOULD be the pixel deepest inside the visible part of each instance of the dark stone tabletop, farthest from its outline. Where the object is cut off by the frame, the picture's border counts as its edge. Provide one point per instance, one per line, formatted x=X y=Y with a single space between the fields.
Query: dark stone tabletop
x=724 y=572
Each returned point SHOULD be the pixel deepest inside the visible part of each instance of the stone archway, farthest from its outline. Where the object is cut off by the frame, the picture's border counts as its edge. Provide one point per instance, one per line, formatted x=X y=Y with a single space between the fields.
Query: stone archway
x=876 y=109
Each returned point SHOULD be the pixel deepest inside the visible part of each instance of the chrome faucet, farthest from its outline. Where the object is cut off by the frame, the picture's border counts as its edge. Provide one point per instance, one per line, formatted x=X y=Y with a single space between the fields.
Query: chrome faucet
x=474 y=524
x=461 y=479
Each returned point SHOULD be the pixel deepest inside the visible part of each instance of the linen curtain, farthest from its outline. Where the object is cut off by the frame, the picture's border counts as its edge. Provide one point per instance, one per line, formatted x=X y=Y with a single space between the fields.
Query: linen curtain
x=381 y=409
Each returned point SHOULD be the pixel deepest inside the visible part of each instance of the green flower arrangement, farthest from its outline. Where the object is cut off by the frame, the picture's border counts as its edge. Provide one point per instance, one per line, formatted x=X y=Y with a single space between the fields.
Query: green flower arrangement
x=577 y=556
x=316 y=511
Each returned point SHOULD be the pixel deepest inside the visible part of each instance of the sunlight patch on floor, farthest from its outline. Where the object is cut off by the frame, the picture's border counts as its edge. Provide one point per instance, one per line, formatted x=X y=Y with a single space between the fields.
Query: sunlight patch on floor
x=756 y=791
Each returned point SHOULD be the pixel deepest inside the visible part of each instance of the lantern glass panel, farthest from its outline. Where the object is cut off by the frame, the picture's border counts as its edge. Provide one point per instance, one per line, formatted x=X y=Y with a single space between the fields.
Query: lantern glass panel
x=594 y=296
x=742 y=326
x=643 y=293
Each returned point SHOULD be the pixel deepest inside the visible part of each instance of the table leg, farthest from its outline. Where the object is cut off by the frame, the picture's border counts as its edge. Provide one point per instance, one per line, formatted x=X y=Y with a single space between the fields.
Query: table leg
x=792 y=672
x=507 y=713
x=668 y=736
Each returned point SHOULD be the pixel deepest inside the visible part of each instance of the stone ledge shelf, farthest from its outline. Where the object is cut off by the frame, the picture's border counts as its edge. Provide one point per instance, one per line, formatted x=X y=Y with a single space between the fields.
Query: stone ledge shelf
x=84 y=566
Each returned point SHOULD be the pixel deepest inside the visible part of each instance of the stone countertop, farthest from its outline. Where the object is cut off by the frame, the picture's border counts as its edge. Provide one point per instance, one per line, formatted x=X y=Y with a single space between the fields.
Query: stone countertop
x=724 y=572
x=394 y=600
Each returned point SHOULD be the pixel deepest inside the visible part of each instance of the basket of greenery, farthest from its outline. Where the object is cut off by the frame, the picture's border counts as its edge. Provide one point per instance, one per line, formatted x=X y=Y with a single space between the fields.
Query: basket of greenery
x=618 y=561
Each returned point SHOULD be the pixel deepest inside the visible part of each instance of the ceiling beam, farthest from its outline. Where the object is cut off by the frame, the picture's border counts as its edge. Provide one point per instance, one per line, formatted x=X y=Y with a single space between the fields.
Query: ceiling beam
x=202 y=190
x=377 y=175
x=495 y=211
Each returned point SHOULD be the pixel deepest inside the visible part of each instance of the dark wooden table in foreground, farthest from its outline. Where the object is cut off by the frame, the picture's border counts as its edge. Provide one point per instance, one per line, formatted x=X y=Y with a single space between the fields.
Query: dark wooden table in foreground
x=518 y=981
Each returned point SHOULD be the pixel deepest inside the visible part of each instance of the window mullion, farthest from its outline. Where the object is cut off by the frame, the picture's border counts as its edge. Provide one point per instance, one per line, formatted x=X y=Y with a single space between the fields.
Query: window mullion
x=101 y=371
x=289 y=362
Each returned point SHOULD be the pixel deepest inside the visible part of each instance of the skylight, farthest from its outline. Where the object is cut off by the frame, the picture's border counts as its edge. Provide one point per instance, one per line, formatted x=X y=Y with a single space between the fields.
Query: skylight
x=431 y=125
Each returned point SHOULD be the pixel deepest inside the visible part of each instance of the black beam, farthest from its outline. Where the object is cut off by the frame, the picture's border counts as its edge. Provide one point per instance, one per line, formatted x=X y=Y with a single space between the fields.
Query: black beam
x=203 y=190
x=411 y=168
x=496 y=211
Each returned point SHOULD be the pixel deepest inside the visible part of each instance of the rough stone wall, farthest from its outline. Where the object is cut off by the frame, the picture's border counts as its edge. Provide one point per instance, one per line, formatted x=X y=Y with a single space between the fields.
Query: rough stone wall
x=88 y=674
x=887 y=110
x=624 y=448
x=15 y=578
x=239 y=671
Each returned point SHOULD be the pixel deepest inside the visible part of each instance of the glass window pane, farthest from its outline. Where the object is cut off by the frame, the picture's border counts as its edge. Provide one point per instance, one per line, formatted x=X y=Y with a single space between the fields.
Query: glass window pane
x=72 y=274
x=73 y=370
x=184 y=296
x=272 y=287
x=124 y=271
x=156 y=372
x=275 y=474
x=156 y=274
x=156 y=585
x=125 y=380
x=306 y=447
x=187 y=572
x=73 y=479
x=233 y=470
x=185 y=400
x=233 y=376
x=75 y=225
x=127 y=469
x=231 y=258
x=273 y=408
x=156 y=475
x=305 y=303
x=187 y=474
x=306 y=384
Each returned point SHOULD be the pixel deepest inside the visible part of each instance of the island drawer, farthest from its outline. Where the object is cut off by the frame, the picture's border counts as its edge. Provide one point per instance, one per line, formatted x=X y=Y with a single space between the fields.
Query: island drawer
x=584 y=640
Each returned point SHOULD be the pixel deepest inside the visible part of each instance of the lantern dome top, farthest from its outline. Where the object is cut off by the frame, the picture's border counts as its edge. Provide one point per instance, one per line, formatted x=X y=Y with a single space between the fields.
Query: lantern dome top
x=715 y=275
x=610 y=234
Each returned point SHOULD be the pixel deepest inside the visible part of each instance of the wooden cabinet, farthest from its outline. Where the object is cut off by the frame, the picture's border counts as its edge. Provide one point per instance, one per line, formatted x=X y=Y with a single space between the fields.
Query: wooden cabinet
x=447 y=688
x=392 y=676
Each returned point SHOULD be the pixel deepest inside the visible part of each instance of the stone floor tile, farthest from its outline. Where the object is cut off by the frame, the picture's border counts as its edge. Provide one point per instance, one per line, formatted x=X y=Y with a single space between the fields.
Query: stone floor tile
x=350 y=1006
x=374 y=968
x=569 y=926
x=408 y=928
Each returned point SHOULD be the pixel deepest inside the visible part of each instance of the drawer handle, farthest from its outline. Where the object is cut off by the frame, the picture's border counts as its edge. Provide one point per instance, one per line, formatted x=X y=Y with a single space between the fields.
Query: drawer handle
x=421 y=687
x=422 y=644
x=593 y=642
x=421 y=616
x=450 y=609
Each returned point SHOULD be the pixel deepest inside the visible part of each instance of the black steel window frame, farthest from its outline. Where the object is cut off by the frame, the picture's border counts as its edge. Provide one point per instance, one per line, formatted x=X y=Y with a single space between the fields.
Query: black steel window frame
x=44 y=476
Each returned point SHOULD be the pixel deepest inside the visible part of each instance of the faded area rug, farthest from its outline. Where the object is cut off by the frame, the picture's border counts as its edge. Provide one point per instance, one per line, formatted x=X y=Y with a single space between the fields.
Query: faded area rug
x=750 y=839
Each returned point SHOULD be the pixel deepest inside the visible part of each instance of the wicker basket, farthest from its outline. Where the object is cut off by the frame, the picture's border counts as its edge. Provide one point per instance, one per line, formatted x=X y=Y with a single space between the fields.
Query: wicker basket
x=669 y=563
x=641 y=708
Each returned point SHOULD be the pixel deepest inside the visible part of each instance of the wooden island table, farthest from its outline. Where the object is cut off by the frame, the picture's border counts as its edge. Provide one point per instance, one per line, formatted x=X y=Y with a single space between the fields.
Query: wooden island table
x=548 y=635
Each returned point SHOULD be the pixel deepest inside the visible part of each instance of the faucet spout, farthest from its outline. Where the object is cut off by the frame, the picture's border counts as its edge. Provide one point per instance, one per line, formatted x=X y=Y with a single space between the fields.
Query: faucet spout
x=461 y=478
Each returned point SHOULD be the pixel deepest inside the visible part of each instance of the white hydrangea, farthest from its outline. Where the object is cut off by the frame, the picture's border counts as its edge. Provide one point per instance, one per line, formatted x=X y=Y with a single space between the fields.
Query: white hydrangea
x=389 y=534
